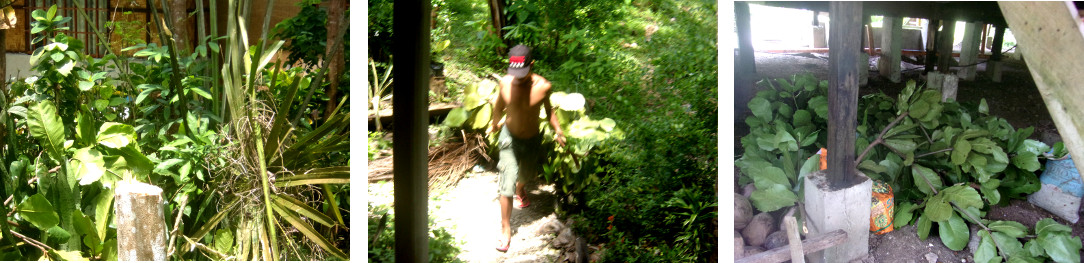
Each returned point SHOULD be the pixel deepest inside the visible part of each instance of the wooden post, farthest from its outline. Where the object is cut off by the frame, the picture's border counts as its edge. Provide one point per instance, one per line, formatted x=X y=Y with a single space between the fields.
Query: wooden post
x=931 y=44
x=844 y=37
x=999 y=39
x=1049 y=34
x=891 y=45
x=982 y=44
x=796 y=254
x=746 y=68
x=944 y=54
x=411 y=138
x=141 y=223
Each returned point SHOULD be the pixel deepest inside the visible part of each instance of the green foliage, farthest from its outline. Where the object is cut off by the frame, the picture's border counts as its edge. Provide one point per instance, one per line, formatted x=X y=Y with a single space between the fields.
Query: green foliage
x=442 y=245
x=1051 y=241
x=306 y=34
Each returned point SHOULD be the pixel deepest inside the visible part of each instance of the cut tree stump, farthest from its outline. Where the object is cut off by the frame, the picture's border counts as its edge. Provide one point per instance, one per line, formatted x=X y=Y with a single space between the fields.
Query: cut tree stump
x=141 y=224
x=810 y=245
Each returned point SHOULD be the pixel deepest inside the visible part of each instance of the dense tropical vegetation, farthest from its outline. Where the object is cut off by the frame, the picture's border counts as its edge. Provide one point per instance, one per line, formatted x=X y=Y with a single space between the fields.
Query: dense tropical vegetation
x=251 y=163
x=635 y=86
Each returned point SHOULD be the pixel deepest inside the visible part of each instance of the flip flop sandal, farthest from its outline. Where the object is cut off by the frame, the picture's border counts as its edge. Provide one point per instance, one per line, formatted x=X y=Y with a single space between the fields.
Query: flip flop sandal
x=521 y=202
x=506 y=244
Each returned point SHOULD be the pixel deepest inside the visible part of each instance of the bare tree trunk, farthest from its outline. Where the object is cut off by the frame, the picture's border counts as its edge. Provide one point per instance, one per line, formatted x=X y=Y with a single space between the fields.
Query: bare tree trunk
x=178 y=13
x=335 y=16
x=141 y=223
x=498 y=19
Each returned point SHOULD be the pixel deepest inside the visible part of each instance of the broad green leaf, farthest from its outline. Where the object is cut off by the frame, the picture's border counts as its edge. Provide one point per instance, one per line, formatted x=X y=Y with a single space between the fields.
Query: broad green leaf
x=869 y=165
x=903 y=145
x=116 y=135
x=58 y=233
x=607 y=124
x=1027 y=161
x=66 y=68
x=761 y=108
x=990 y=192
x=812 y=164
x=959 y=153
x=938 y=209
x=88 y=165
x=1008 y=245
x=954 y=233
x=922 y=227
x=39 y=212
x=1061 y=247
x=772 y=197
x=83 y=226
x=1010 y=228
x=919 y=109
x=922 y=175
x=785 y=141
x=484 y=117
x=963 y=196
x=69 y=255
x=1047 y=226
x=1032 y=146
x=903 y=215
x=333 y=175
x=223 y=240
x=148 y=89
x=103 y=209
x=987 y=251
x=1034 y=248
x=983 y=107
x=456 y=117
x=785 y=112
x=47 y=127
x=769 y=176
x=802 y=118
x=820 y=106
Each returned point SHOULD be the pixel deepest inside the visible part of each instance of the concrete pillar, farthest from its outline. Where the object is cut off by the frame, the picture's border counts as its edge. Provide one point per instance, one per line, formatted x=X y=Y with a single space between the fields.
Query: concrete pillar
x=891 y=45
x=934 y=80
x=994 y=67
x=948 y=88
x=830 y=209
x=969 y=51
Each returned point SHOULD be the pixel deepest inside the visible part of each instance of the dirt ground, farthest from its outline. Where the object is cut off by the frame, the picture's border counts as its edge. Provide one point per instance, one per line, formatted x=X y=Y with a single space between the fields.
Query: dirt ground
x=470 y=211
x=1016 y=99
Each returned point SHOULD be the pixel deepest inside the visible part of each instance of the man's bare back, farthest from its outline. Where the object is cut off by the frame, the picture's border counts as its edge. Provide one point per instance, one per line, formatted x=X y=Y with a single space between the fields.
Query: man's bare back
x=522 y=103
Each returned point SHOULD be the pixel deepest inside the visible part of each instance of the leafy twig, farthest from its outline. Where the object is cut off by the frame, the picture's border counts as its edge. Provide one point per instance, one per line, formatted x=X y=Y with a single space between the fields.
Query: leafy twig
x=880 y=139
x=44 y=248
x=969 y=216
x=933 y=152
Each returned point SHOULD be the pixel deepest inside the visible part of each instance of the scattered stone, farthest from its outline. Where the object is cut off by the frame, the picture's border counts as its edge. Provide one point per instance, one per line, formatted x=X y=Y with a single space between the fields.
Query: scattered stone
x=776 y=239
x=758 y=229
x=743 y=212
x=973 y=244
x=931 y=257
x=739 y=246
x=747 y=190
x=564 y=239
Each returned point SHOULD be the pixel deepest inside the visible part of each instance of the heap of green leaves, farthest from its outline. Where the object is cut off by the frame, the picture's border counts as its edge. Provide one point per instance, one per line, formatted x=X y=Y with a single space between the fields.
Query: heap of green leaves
x=961 y=160
x=785 y=128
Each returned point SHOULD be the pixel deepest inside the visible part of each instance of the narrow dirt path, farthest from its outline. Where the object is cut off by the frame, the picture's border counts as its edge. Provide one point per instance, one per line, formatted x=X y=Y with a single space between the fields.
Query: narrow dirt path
x=471 y=212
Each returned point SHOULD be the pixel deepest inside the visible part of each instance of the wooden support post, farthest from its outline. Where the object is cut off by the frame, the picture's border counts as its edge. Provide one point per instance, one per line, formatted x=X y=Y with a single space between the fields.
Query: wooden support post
x=931 y=44
x=746 y=68
x=411 y=138
x=795 y=241
x=811 y=245
x=867 y=24
x=999 y=39
x=1046 y=33
x=969 y=51
x=982 y=44
x=944 y=47
x=141 y=223
x=846 y=19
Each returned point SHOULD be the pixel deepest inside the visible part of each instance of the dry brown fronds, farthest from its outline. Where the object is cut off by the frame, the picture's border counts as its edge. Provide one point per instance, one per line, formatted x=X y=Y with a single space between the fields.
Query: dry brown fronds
x=448 y=161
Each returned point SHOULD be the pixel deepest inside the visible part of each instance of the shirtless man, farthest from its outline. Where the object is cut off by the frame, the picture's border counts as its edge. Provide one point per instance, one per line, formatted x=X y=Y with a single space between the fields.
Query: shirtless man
x=522 y=93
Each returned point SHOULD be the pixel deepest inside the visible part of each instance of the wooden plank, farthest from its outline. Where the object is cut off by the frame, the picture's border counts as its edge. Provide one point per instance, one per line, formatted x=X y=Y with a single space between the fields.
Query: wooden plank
x=1049 y=34
x=844 y=39
x=795 y=241
x=810 y=245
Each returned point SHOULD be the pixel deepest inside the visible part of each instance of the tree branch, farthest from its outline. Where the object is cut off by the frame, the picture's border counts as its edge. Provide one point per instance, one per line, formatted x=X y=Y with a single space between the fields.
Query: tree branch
x=933 y=152
x=880 y=139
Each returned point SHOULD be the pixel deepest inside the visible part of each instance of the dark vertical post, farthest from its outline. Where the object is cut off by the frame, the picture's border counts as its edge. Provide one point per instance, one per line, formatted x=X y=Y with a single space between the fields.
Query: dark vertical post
x=746 y=70
x=944 y=54
x=844 y=37
x=999 y=39
x=931 y=44
x=411 y=73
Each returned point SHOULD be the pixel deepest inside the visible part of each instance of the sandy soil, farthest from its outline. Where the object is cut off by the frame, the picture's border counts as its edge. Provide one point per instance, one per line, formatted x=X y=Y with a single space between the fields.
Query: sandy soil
x=470 y=211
